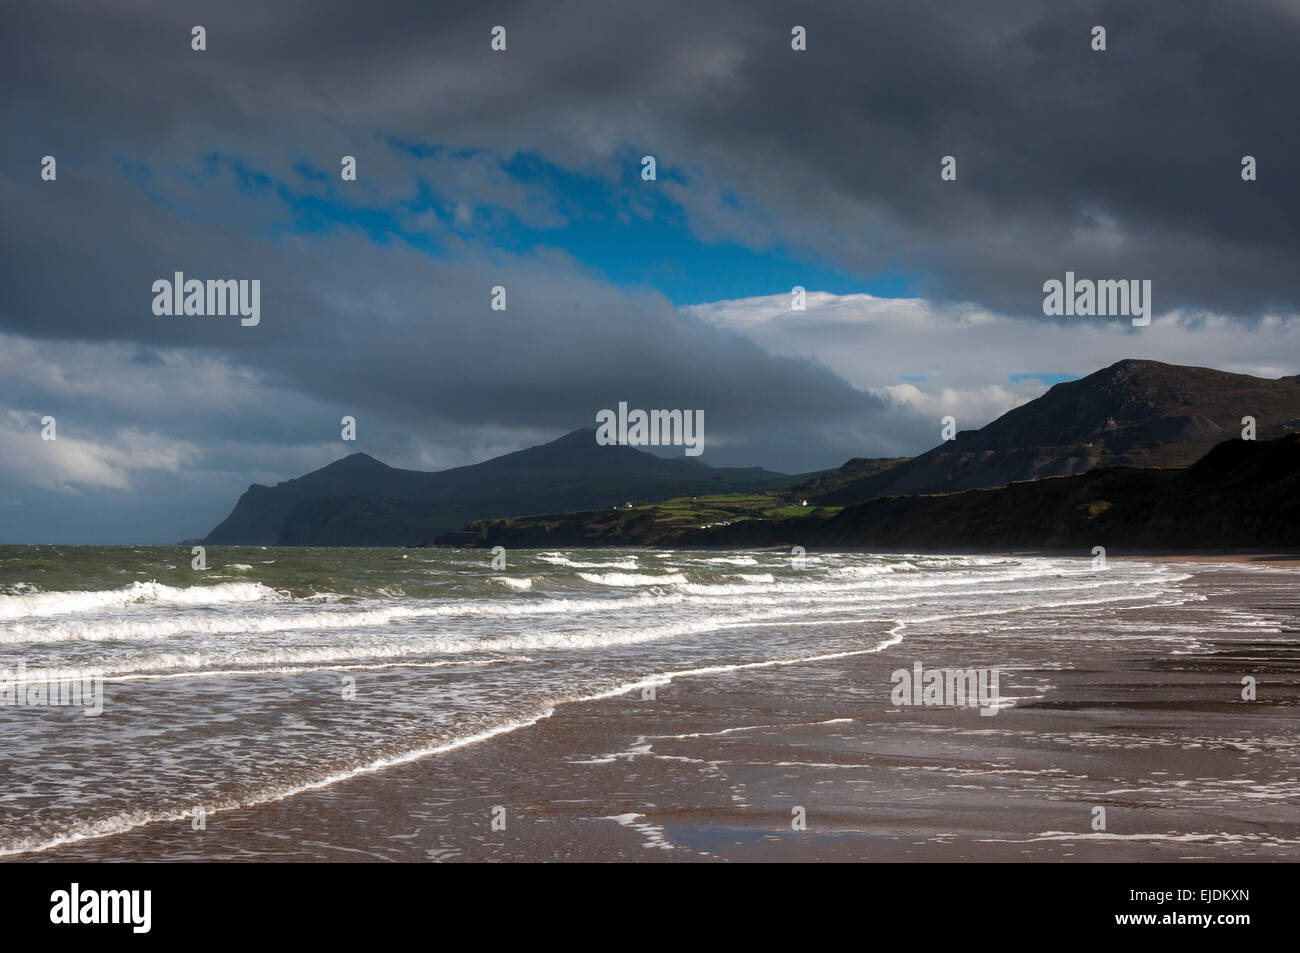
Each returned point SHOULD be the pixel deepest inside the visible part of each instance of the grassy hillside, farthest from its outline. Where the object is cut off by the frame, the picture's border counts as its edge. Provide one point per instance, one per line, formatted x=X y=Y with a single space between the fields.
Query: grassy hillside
x=1242 y=494
x=641 y=524
x=359 y=501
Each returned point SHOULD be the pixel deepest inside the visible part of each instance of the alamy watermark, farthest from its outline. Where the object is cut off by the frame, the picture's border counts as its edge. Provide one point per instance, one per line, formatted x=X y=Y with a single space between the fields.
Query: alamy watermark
x=130 y=907
x=655 y=428
x=1106 y=298
x=211 y=298
x=949 y=687
x=53 y=688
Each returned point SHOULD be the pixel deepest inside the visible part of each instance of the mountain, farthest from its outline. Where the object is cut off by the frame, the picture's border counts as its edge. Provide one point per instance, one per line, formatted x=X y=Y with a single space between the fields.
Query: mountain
x=1241 y=494
x=822 y=483
x=1138 y=413
x=359 y=501
x=1133 y=414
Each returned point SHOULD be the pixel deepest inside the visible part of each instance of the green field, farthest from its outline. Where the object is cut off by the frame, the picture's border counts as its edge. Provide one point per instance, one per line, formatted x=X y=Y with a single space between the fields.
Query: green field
x=687 y=512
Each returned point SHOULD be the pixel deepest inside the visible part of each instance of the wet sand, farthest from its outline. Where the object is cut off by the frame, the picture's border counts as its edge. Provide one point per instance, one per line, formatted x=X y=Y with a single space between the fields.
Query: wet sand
x=713 y=766
x=1233 y=557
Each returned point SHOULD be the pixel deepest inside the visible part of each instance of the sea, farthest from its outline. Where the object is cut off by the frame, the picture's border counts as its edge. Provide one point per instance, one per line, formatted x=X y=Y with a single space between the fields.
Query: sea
x=276 y=671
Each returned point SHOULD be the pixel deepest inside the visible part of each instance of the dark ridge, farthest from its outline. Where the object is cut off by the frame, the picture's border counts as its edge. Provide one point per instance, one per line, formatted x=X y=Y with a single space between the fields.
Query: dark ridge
x=360 y=501
x=1133 y=413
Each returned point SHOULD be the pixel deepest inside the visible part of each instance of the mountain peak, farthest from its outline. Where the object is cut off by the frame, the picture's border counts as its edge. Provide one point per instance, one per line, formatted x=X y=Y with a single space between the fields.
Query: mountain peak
x=1135 y=364
x=1135 y=412
x=358 y=500
x=354 y=463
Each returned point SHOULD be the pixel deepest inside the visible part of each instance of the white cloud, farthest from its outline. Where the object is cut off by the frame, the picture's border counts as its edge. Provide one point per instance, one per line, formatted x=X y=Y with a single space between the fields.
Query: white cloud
x=71 y=463
x=973 y=407
x=966 y=354
x=154 y=381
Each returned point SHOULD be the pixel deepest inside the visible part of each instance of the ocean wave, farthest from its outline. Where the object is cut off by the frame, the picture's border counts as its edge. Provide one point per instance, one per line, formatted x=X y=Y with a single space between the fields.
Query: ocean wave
x=268 y=654
x=19 y=589
x=631 y=579
x=557 y=559
x=867 y=572
x=283 y=614
x=514 y=582
x=127 y=820
x=745 y=586
x=292 y=618
x=121 y=822
x=29 y=605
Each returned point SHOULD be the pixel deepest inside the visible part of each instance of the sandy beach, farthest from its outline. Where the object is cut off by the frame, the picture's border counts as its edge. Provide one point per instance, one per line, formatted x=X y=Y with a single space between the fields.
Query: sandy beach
x=715 y=767
x=1278 y=560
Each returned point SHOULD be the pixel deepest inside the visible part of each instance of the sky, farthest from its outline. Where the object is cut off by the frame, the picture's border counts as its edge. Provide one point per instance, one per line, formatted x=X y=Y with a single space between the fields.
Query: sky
x=522 y=168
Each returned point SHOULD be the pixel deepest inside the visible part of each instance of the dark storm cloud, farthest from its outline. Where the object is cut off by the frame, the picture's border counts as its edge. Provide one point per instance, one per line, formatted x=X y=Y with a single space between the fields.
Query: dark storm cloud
x=1115 y=164
x=390 y=330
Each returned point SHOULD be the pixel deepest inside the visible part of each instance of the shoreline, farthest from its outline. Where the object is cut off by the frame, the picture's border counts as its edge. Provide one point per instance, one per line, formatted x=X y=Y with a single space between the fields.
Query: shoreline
x=1225 y=556
x=1269 y=557
x=1280 y=560
x=711 y=767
